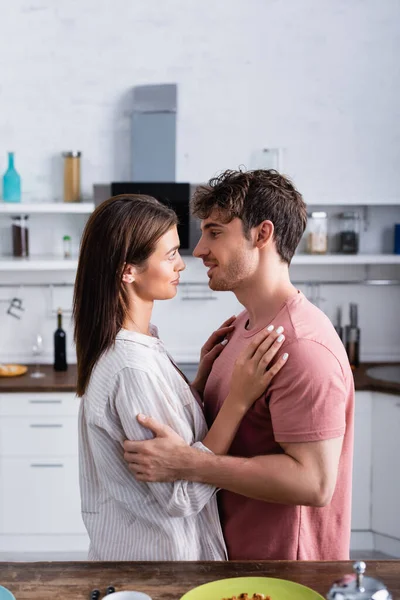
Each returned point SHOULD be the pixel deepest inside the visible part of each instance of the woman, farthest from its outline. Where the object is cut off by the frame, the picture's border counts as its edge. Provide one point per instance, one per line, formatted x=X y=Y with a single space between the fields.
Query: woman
x=129 y=258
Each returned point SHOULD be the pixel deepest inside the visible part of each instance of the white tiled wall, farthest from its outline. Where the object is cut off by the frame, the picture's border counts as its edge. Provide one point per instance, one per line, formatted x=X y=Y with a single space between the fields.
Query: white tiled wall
x=320 y=79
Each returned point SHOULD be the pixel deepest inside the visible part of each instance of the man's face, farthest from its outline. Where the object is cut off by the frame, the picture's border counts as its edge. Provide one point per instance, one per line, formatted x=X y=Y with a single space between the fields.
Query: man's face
x=224 y=249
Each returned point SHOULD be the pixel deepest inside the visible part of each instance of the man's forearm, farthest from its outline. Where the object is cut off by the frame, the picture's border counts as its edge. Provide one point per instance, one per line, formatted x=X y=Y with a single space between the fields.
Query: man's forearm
x=276 y=478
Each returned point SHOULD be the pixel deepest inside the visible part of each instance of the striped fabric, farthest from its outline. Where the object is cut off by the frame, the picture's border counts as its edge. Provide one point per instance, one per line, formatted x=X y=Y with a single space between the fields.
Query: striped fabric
x=127 y=519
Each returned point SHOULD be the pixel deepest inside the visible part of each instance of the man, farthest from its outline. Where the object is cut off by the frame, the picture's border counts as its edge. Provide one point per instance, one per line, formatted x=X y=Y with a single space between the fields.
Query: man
x=286 y=486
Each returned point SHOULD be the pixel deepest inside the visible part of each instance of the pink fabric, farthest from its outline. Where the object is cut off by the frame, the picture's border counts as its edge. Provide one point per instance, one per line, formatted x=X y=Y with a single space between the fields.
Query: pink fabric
x=312 y=398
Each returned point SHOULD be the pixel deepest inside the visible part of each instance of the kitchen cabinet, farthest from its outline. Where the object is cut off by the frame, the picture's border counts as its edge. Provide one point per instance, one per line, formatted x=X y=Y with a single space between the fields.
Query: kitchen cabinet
x=40 y=496
x=362 y=463
x=385 y=465
x=39 y=471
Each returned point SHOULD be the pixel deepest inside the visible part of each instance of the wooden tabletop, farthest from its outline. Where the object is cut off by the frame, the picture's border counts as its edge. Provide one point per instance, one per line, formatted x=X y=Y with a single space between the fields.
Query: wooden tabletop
x=66 y=381
x=170 y=580
x=54 y=381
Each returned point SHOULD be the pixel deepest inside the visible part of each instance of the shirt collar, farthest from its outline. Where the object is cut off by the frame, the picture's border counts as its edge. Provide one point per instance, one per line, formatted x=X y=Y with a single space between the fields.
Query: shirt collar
x=140 y=338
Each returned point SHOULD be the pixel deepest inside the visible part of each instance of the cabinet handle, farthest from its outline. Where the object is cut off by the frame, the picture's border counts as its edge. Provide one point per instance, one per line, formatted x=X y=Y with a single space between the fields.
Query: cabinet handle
x=47 y=465
x=45 y=426
x=45 y=401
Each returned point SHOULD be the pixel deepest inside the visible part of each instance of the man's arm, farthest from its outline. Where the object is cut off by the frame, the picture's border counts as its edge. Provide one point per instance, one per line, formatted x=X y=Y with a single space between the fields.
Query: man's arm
x=305 y=473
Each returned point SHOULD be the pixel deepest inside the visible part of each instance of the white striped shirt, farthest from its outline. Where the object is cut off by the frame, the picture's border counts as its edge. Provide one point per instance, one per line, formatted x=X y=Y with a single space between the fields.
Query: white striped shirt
x=127 y=519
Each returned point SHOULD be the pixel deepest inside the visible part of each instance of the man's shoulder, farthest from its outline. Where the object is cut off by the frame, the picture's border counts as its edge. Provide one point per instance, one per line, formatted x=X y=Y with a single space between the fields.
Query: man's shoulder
x=311 y=331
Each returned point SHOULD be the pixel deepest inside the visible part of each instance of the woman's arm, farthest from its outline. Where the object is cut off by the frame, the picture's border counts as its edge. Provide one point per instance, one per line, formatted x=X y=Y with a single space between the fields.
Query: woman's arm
x=137 y=391
x=250 y=379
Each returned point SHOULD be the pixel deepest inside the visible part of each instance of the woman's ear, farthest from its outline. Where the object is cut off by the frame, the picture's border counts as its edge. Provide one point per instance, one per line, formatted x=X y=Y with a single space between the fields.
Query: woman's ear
x=128 y=274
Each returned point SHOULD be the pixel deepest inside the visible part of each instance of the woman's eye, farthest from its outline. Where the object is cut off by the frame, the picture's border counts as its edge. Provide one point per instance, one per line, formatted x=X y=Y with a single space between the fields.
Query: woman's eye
x=173 y=255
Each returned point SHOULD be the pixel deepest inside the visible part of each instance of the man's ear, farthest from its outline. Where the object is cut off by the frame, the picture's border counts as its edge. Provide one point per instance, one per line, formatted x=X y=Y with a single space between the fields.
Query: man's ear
x=128 y=274
x=264 y=234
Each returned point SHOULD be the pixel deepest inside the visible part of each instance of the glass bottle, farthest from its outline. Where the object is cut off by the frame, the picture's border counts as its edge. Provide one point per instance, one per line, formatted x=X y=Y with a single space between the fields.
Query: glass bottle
x=67 y=246
x=317 y=238
x=20 y=236
x=349 y=232
x=11 y=182
x=60 y=347
x=72 y=176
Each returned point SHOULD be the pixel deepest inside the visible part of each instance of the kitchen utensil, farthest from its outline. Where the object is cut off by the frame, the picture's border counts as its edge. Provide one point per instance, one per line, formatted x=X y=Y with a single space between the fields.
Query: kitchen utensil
x=317 y=236
x=397 y=238
x=358 y=587
x=349 y=232
x=12 y=370
x=278 y=589
x=338 y=326
x=72 y=176
x=352 y=332
x=20 y=236
x=5 y=594
x=16 y=304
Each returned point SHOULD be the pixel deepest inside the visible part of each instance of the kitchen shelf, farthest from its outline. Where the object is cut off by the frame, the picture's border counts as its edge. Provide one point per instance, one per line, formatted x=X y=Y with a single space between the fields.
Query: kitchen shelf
x=38 y=263
x=346 y=259
x=57 y=263
x=355 y=202
x=62 y=208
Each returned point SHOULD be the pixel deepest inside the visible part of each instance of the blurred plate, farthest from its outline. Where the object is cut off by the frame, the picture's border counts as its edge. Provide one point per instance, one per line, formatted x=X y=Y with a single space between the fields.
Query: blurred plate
x=12 y=371
x=5 y=594
x=278 y=589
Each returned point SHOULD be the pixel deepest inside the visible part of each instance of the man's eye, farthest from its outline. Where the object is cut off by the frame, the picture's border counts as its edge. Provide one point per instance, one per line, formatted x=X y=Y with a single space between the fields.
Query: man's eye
x=214 y=234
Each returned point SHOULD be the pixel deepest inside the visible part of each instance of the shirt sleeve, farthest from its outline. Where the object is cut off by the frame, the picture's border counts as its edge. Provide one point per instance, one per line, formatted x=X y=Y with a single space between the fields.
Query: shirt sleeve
x=307 y=399
x=136 y=391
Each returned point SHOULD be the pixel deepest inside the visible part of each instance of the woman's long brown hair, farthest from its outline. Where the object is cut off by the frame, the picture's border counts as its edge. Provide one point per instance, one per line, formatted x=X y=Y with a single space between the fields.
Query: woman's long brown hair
x=122 y=230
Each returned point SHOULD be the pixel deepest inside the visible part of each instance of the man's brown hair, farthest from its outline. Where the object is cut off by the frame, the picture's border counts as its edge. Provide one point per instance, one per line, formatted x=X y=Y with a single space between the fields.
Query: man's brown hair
x=253 y=197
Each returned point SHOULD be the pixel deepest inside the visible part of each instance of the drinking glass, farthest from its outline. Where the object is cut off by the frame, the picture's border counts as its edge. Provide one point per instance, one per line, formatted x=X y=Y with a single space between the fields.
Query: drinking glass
x=37 y=350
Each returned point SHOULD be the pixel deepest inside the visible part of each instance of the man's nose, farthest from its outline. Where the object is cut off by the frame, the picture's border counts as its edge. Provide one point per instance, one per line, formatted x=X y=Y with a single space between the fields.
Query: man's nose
x=200 y=249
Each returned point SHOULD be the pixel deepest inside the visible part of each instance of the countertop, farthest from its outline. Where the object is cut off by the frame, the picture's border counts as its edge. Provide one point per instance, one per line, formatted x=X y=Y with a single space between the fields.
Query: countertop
x=170 y=580
x=66 y=381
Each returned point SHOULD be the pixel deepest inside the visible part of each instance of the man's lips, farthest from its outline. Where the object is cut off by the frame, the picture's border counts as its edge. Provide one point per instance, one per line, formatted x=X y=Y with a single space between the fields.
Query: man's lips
x=210 y=266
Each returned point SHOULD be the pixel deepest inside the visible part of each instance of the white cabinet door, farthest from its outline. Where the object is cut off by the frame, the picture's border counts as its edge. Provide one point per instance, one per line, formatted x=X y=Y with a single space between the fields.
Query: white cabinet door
x=38 y=436
x=385 y=465
x=361 y=503
x=40 y=495
x=39 y=404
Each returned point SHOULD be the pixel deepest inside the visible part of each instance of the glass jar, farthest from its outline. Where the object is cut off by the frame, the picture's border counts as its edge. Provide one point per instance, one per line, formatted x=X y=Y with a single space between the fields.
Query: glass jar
x=72 y=176
x=349 y=232
x=317 y=238
x=20 y=236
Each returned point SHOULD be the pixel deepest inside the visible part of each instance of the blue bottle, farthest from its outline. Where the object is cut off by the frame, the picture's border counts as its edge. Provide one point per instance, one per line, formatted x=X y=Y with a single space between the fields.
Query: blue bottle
x=11 y=182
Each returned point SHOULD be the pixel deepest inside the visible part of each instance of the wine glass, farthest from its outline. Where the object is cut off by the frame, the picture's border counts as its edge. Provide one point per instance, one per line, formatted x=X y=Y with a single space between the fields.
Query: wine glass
x=37 y=349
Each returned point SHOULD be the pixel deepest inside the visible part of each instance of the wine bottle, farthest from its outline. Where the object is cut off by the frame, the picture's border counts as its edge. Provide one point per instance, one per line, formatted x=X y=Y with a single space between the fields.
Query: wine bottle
x=60 y=350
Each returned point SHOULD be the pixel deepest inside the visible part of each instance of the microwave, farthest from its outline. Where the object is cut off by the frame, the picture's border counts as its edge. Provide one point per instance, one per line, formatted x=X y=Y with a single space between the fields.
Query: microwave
x=175 y=195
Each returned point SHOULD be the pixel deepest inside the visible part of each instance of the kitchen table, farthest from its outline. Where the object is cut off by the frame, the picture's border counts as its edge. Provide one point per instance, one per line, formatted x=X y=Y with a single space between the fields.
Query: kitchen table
x=170 y=580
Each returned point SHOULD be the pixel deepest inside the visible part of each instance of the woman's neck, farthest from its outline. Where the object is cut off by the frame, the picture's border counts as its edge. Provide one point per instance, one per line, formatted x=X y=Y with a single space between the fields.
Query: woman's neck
x=138 y=317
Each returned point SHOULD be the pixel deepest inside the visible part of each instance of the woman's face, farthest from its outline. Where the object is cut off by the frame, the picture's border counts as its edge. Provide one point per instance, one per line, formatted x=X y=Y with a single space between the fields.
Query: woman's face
x=160 y=278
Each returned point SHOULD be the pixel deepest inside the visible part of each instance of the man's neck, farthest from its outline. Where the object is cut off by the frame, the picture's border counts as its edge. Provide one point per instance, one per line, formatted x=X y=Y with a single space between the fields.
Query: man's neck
x=264 y=294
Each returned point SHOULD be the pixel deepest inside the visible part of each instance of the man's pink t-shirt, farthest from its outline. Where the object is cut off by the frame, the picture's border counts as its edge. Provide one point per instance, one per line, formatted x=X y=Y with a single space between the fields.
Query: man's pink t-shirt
x=311 y=398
